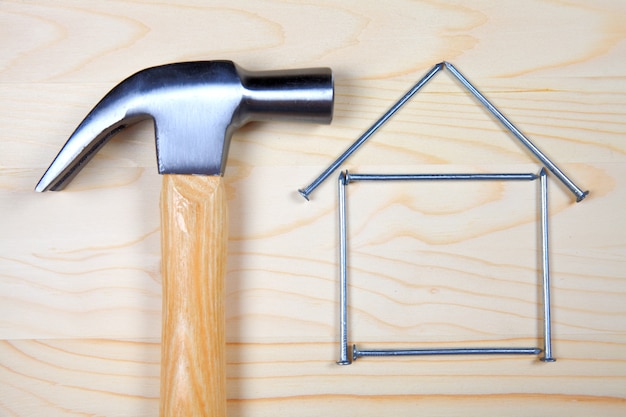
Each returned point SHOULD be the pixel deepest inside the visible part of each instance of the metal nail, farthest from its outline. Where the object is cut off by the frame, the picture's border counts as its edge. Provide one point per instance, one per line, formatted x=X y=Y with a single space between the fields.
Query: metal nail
x=356 y=353
x=440 y=177
x=545 y=263
x=343 y=273
x=305 y=192
x=579 y=193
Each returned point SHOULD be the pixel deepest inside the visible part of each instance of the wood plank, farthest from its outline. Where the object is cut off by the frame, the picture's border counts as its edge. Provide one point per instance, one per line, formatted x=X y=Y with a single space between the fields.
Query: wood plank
x=119 y=378
x=432 y=265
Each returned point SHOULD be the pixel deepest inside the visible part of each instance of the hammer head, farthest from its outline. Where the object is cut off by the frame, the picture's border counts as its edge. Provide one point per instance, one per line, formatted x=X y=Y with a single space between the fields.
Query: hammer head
x=196 y=107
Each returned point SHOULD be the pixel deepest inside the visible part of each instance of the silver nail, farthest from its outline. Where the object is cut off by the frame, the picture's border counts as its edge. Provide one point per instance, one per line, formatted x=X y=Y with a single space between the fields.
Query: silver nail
x=343 y=273
x=580 y=194
x=356 y=353
x=545 y=263
x=440 y=177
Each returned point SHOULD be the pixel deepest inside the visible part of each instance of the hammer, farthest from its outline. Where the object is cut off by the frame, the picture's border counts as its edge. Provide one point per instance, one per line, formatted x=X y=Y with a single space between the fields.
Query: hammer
x=196 y=107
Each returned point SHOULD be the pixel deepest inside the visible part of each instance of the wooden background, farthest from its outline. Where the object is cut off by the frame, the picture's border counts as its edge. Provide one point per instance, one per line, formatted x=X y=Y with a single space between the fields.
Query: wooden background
x=431 y=264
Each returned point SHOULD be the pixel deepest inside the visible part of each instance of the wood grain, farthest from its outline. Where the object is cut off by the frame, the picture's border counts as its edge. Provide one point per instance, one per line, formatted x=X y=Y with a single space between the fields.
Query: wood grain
x=194 y=237
x=431 y=266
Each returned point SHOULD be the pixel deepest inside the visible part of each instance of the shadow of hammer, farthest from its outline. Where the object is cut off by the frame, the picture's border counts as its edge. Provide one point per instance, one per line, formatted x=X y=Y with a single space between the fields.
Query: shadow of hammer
x=196 y=107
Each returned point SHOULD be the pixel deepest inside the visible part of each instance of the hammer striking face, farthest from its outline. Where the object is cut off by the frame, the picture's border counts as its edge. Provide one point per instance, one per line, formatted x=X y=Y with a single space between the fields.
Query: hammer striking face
x=195 y=106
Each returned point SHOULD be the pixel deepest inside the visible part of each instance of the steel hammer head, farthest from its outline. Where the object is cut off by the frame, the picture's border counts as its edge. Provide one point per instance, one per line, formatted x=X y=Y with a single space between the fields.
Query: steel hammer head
x=196 y=107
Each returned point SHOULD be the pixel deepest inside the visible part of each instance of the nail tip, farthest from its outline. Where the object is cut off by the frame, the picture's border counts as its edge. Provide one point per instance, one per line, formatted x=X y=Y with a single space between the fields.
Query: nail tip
x=43 y=186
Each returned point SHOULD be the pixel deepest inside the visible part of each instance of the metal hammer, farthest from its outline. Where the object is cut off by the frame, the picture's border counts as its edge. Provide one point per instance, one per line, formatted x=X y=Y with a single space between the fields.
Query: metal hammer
x=196 y=107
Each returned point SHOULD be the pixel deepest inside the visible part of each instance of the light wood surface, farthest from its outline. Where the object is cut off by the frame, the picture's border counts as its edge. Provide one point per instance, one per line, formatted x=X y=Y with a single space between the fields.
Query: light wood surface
x=432 y=265
x=193 y=346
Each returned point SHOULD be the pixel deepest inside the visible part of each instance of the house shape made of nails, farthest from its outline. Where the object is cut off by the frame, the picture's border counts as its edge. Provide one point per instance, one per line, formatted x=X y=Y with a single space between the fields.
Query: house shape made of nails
x=347 y=355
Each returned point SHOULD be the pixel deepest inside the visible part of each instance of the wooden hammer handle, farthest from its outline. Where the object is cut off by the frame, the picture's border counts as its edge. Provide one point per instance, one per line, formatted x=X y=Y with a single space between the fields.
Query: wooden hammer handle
x=194 y=238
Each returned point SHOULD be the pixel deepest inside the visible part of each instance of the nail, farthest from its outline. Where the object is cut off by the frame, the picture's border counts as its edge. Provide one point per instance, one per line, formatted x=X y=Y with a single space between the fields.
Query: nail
x=343 y=273
x=356 y=353
x=305 y=192
x=545 y=263
x=440 y=177
x=580 y=194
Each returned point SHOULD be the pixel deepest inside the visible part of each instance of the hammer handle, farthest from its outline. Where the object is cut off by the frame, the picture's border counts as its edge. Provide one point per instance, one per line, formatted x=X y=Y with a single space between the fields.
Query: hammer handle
x=194 y=238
